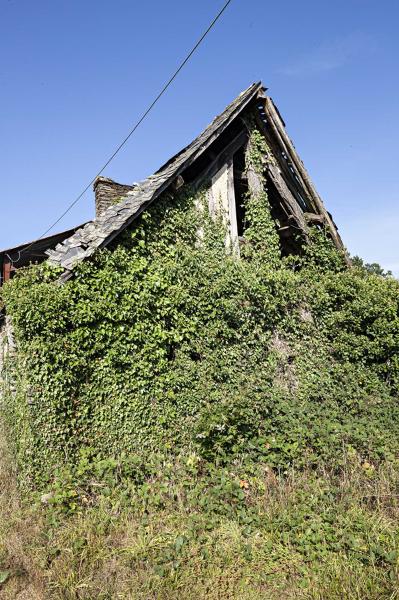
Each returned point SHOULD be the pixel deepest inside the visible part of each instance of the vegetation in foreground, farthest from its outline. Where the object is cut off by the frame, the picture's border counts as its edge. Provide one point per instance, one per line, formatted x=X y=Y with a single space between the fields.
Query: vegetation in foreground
x=183 y=423
x=193 y=530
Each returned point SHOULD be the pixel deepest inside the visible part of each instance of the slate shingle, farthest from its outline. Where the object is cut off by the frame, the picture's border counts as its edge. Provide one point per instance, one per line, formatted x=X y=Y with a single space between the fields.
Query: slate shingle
x=98 y=233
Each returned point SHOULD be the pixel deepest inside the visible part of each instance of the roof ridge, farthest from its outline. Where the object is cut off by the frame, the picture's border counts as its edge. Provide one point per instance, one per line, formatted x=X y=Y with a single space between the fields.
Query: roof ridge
x=102 y=230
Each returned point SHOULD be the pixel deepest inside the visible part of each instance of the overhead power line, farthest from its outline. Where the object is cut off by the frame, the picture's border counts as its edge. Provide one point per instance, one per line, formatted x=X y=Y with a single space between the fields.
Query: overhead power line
x=137 y=124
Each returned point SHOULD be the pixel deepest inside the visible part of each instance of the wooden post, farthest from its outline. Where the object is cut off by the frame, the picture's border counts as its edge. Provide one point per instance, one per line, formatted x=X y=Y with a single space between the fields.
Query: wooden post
x=221 y=198
x=231 y=198
x=7 y=268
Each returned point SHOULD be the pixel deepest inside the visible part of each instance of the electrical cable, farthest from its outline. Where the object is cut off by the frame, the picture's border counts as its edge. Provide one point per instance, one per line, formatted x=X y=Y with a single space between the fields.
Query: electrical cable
x=135 y=127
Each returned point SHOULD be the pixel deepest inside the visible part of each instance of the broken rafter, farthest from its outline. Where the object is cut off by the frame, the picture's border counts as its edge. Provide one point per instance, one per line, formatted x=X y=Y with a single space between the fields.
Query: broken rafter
x=287 y=198
x=282 y=177
x=286 y=195
x=289 y=149
x=314 y=218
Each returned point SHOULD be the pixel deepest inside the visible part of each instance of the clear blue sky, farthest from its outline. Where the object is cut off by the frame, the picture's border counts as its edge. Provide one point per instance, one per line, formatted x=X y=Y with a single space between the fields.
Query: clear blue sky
x=75 y=75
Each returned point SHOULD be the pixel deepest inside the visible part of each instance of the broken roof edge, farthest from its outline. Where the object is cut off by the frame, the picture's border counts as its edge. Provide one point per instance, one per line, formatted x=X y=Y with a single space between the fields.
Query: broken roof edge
x=275 y=117
x=22 y=247
x=102 y=230
x=258 y=87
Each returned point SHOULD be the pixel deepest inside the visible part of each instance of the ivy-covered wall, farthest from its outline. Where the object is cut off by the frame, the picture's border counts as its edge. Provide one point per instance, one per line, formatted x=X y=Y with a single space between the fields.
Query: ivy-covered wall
x=166 y=341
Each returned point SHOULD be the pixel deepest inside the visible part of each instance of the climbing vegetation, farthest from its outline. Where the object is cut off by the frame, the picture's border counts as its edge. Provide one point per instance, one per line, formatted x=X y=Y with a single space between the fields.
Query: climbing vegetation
x=238 y=415
x=166 y=341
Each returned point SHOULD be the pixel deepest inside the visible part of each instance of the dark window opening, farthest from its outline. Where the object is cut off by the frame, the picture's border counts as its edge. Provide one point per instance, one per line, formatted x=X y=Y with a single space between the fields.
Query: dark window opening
x=290 y=242
x=240 y=190
x=290 y=235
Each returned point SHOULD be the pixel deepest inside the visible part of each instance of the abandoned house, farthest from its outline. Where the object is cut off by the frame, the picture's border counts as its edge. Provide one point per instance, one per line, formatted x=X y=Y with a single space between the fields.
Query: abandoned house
x=216 y=157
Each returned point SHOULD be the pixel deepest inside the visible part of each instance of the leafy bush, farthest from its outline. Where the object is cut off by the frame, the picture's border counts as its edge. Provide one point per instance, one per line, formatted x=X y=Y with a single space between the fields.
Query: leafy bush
x=165 y=341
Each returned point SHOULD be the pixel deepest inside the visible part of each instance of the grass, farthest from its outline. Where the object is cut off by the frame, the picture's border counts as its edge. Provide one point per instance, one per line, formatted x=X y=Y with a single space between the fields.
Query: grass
x=184 y=535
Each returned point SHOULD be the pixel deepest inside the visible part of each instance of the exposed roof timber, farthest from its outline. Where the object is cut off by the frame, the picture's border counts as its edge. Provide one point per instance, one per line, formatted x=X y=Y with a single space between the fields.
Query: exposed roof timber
x=232 y=147
x=286 y=195
x=30 y=252
x=292 y=182
x=278 y=127
x=288 y=171
x=114 y=220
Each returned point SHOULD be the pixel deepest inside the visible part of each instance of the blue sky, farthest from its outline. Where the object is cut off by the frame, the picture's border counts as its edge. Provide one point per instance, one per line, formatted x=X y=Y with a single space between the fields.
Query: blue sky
x=75 y=75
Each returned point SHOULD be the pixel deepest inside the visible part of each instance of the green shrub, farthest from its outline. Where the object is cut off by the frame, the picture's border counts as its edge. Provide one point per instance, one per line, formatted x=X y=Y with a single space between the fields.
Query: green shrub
x=165 y=341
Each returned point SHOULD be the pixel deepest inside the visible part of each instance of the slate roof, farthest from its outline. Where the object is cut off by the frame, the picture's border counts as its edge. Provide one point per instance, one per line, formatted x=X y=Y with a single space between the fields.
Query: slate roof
x=100 y=232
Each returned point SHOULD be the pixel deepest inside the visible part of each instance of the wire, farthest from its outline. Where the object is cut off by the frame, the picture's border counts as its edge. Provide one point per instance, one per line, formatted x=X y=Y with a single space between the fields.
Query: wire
x=141 y=119
x=14 y=261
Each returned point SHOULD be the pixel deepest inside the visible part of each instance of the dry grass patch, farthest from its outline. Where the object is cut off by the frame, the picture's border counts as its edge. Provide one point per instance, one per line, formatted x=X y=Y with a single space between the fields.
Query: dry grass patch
x=304 y=536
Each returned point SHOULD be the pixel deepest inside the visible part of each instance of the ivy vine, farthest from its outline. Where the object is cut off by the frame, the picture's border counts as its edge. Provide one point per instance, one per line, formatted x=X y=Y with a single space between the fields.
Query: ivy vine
x=159 y=343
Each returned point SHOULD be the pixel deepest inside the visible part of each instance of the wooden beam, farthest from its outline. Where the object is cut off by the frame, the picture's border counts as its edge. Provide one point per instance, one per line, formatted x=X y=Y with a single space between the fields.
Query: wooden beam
x=256 y=185
x=278 y=128
x=314 y=218
x=232 y=207
x=232 y=147
x=7 y=268
x=286 y=195
x=285 y=231
x=292 y=180
x=274 y=138
x=222 y=202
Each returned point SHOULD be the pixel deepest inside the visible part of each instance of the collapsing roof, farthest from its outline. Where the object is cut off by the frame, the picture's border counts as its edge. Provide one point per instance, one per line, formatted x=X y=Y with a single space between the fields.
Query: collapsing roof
x=23 y=255
x=297 y=196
